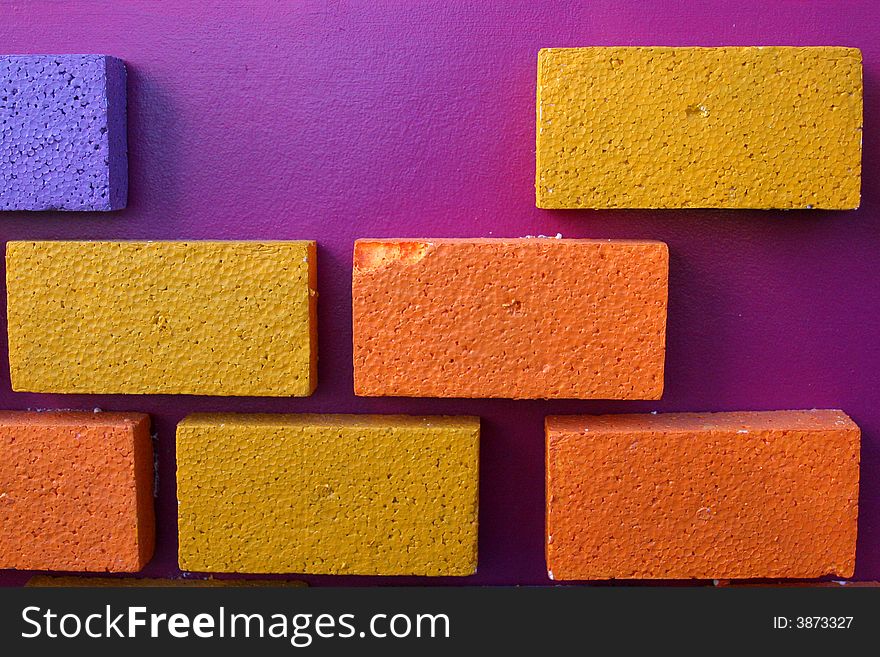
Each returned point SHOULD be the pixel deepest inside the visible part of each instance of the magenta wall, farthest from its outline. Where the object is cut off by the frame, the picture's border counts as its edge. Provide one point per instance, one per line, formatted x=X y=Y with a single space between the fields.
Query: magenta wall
x=290 y=120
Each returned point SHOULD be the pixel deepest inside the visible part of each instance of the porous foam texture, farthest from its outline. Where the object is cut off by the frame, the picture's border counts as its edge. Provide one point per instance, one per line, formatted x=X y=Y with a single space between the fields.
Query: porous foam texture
x=76 y=491
x=328 y=494
x=702 y=495
x=514 y=318
x=206 y=318
x=657 y=127
x=66 y=582
x=63 y=142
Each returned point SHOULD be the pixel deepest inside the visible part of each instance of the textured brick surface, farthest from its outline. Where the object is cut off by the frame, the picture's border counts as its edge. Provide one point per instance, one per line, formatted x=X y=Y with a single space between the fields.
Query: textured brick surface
x=333 y=494
x=62 y=133
x=832 y=584
x=699 y=127
x=210 y=318
x=76 y=491
x=721 y=495
x=48 y=581
x=517 y=318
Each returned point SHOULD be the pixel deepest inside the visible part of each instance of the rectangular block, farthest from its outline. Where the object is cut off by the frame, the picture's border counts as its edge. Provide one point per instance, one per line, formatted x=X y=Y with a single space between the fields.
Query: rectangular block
x=200 y=318
x=515 y=318
x=833 y=584
x=63 y=142
x=702 y=495
x=328 y=494
x=76 y=491
x=762 y=127
x=67 y=582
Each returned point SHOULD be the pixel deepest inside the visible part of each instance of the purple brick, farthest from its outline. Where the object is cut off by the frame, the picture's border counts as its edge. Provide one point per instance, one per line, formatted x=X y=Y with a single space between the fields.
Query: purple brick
x=62 y=133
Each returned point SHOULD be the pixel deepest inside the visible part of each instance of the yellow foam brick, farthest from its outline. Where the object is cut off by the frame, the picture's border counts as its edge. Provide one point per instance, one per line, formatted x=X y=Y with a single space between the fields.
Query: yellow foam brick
x=775 y=127
x=206 y=318
x=331 y=494
x=70 y=581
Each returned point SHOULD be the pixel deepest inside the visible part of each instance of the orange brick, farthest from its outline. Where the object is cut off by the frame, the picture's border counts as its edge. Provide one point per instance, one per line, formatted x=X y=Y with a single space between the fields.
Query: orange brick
x=833 y=584
x=706 y=496
x=76 y=491
x=515 y=318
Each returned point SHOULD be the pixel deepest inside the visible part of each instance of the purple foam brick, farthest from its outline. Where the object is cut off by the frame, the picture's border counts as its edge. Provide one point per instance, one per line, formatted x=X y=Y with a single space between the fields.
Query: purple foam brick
x=62 y=133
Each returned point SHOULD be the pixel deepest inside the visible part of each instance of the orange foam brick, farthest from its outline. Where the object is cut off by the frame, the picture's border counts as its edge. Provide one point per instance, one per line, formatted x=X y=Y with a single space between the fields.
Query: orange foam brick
x=702 y=495
x=76 y=491
x=514 y=318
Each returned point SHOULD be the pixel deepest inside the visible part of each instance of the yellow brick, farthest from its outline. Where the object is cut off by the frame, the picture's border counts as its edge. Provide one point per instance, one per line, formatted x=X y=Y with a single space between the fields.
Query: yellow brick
x=328 y=494
x=68 y=581
x=774 y=127
x=206 y=318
